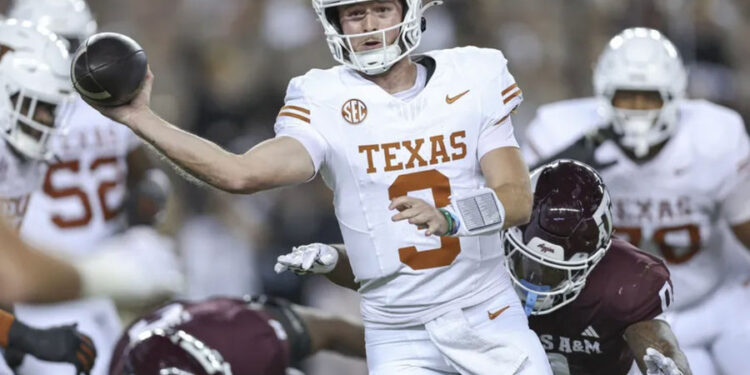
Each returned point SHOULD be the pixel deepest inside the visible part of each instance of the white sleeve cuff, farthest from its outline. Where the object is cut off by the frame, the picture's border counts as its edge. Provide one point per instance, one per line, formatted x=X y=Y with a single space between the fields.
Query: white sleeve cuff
x=496 y=136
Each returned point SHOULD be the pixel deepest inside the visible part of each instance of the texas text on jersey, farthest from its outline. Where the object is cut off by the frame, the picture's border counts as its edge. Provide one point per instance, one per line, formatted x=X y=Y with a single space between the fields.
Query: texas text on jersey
x=586 y=336
x=372 y=147
x=220 y=336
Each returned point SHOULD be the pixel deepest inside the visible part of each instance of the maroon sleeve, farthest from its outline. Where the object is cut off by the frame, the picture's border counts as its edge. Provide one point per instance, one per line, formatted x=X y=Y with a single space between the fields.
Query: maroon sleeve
x=642 y=285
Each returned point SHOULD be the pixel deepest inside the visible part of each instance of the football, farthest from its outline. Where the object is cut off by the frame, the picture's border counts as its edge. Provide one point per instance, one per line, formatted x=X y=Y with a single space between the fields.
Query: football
x=109 y=69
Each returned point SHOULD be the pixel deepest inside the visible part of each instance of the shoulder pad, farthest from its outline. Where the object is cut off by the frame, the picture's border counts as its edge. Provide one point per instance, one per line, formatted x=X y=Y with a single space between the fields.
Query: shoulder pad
x=716 y=131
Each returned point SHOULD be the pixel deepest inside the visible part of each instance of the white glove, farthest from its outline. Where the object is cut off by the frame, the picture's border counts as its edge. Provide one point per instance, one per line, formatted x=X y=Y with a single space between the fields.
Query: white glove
x=658 y=364
x=305 y=259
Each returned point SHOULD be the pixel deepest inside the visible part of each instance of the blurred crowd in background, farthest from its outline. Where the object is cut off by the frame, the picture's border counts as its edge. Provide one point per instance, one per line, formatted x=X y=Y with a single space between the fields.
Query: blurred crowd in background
x=222 y=67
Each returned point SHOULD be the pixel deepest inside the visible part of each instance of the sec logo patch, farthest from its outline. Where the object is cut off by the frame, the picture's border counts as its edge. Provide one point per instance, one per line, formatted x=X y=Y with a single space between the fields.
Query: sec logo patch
x=354 y=111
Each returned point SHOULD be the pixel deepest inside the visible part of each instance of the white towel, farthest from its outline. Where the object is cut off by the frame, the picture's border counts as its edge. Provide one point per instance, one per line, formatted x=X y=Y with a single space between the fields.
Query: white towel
x=469 y=352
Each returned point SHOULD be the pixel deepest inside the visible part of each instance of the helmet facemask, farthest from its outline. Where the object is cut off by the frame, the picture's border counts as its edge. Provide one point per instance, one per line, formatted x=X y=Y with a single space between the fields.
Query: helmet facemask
x=643 y=60
x=641 y=129
x=32 y=120
x=543 y=284
x=379 y=60
x=174 y=352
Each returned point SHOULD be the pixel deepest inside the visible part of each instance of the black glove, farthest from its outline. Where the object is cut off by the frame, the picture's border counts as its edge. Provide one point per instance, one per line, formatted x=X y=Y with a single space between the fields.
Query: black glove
x=13 y=358
x=56 y=344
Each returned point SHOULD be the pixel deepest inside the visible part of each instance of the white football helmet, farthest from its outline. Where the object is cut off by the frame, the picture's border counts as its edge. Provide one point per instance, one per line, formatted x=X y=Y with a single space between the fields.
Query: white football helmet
x=69 y=19
x=34 y=73
x=644 y=60
x=376 y=61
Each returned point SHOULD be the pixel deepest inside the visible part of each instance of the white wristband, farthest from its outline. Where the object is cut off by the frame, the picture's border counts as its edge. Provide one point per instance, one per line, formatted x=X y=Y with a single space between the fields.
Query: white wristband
x=478 y=212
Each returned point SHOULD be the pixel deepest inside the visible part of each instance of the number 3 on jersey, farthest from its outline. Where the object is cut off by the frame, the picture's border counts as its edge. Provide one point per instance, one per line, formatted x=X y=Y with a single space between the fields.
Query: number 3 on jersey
x=441 y=192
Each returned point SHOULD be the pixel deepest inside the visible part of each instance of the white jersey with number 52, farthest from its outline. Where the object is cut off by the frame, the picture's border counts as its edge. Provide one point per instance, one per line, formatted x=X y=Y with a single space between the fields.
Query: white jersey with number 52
x=371 y=147
x=81 y=197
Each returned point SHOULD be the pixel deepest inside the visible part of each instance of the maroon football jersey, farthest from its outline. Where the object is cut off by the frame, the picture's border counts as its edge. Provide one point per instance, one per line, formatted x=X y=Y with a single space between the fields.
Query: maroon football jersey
x=245 y=334
x=586 y=336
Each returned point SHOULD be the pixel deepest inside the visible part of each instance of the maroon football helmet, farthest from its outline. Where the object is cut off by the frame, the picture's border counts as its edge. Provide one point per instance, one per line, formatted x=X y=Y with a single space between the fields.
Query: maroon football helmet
x=569 y=232
x=219 y=336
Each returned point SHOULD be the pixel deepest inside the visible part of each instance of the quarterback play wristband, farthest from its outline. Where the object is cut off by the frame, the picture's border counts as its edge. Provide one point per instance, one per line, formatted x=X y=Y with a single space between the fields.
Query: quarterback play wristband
x=476 y=213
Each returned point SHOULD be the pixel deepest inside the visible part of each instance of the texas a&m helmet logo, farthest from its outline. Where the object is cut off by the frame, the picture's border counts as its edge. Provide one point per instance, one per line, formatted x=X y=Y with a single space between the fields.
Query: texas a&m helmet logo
x=546 y=249
x=354 y=111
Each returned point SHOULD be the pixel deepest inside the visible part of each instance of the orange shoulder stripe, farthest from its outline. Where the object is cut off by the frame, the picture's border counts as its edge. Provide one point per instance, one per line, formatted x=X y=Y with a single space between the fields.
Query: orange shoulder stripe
x=290 y=114
x=294 y=107
x=506 y=100
x=511 y=87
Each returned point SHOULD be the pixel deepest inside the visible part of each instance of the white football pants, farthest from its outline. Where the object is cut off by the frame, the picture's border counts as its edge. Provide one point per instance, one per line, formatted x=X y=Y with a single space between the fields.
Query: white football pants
x=464 y=341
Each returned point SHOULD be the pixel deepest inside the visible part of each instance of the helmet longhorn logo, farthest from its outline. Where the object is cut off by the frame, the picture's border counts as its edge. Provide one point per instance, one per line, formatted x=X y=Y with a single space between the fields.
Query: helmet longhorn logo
x=354 y=111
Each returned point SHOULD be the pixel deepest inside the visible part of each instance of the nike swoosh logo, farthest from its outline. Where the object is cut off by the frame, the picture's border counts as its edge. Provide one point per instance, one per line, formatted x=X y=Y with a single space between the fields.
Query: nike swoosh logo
x=452 y=100
x=497 y=313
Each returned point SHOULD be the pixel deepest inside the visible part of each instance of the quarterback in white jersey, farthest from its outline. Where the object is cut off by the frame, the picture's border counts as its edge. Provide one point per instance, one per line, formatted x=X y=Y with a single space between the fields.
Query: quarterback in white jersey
x=425 y=169
x=380 y=147
x=673 y=180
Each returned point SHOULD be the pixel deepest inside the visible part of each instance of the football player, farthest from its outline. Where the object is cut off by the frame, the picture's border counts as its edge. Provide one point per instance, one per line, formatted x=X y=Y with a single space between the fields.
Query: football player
x=425 y=169
x=78 y=212
x=57 y=344
x=675 y=183
x=225 y=336
x=596 y=302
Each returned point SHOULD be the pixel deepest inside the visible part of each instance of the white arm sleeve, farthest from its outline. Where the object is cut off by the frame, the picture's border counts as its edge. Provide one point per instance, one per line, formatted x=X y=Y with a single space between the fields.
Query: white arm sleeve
x=295 y=120
x=496 y=136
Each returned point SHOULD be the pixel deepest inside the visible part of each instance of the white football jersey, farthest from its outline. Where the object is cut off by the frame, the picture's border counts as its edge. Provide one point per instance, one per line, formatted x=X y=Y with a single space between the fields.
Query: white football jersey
x=82 y=194
x=673 y=204
x=77 y=207
x=19 y=177
x=371 y=147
